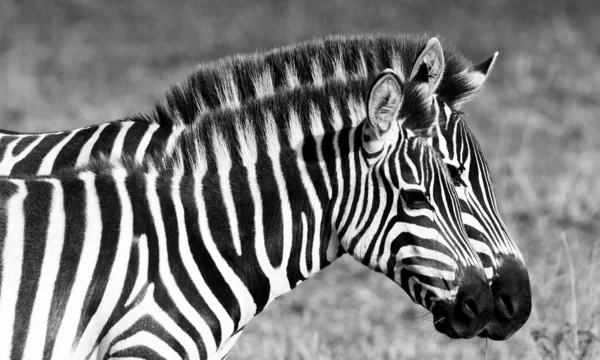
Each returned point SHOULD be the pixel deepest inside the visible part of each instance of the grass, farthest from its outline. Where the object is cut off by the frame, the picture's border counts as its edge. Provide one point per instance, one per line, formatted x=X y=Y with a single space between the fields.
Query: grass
x=76 y=62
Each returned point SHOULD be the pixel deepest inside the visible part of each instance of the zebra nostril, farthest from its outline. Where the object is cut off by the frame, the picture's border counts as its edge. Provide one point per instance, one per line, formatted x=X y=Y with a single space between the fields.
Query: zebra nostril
x=510 y=305
x=470 y=308
x=505 y=306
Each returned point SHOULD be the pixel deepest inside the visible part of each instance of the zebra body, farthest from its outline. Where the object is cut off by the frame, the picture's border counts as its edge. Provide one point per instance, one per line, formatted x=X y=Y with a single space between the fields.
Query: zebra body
x=233 y=82
x=172 y=260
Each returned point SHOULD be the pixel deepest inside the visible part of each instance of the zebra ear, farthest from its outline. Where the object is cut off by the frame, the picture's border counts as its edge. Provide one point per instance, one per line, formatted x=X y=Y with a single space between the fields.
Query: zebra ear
x=474 y=79
x=429 y=66
x=383 y=104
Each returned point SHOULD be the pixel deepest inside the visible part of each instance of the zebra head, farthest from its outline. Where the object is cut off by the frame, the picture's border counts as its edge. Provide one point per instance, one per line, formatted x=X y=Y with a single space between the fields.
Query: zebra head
x=502 y=260
x=407 y=221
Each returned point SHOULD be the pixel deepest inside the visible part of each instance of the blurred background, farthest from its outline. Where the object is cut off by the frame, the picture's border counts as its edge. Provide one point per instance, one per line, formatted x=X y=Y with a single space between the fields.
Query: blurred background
x=70 y=63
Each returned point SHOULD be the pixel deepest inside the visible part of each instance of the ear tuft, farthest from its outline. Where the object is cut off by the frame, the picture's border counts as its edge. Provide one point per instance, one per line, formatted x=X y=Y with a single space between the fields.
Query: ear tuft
x=385 y=99
x=475 y=78
x=433 y=58
x=487 y=65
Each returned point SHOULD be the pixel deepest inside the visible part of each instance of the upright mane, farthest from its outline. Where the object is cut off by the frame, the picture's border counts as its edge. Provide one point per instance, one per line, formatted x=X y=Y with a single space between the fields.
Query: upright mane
x=231 y=81
x=286 y=118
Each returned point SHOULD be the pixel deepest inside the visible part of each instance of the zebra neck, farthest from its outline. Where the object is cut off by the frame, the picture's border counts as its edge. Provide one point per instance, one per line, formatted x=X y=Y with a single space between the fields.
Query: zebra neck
x=265 y=227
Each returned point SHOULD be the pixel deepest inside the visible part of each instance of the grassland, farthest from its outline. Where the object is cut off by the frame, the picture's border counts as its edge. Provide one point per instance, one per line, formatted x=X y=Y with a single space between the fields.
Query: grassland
x=76 y=62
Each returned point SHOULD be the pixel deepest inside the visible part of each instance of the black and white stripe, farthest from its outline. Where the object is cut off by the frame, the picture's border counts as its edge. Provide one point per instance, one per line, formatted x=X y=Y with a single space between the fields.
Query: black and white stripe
x=143 y=261
x=232 y=82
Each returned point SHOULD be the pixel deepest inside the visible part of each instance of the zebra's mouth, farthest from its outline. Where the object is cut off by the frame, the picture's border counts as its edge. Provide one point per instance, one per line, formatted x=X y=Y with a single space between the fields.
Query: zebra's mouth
x=469 y=312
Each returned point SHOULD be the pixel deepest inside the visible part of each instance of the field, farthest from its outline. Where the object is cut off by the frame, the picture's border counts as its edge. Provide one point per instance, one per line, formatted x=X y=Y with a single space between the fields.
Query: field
x=79 y=62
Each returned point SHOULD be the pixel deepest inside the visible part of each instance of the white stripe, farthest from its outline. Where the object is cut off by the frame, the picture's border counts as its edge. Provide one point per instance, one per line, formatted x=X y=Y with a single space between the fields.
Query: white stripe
x=352 y=183
x=397 y=65
x=408 y=251
x=142 y=273
x=303 y=263
x=241 y=293
x=173 y=139
x=12 y=258
x=224 y=167
x=317 y=73
x=225 y=321
x=363 y=71
x=34 y=344
x=117 y=148
x=228 y=92
x=9 y=161
x=86 y=150
x=182 y=304
x=50 y=158
x=430 y=272
x=147 y=340
x=83 y=277
x=357 y=110
x=295 y=131
x=339 y=72
x=291 y=76
x=263 y=84
x=141 y=150
x=336 y=118
x=317 y=131
x=279 y=283
x=118 y=271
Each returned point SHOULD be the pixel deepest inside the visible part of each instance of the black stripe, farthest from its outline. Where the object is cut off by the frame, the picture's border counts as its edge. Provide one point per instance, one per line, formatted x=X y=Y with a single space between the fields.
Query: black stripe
x=299 y=203
x=147 y=323
x=158 y=141
x=131 y=276
x=5 y=142
x=437 y=282
x=431 y=263
x=206 y=265
x=176 y=266
x=37 y=211
x=386 y=210
x=133 y=137
x=32 y=162
x=110 y=211
x=106 y=140
x=23 y=143
x=247 y=266
x=272 y=216
x=67 y=157
x=162 y=296
x=328 y=229
x=75 y=206
x=354 y=201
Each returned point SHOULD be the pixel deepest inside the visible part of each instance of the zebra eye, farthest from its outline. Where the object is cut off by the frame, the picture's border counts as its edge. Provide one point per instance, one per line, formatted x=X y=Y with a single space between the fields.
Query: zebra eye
x=455 y=176
x=415 y=199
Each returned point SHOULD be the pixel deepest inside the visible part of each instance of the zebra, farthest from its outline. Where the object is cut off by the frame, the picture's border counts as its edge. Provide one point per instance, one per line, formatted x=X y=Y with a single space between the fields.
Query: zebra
x=232 y=82
x=171 y=259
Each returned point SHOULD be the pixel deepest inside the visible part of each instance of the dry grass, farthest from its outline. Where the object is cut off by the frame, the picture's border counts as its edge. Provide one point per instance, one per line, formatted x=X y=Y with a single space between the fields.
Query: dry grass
x=78 y=62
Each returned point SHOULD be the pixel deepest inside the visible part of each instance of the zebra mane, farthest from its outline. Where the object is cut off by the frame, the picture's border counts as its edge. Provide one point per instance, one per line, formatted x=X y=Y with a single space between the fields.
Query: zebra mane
x=286 y=119
x=231 y=81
